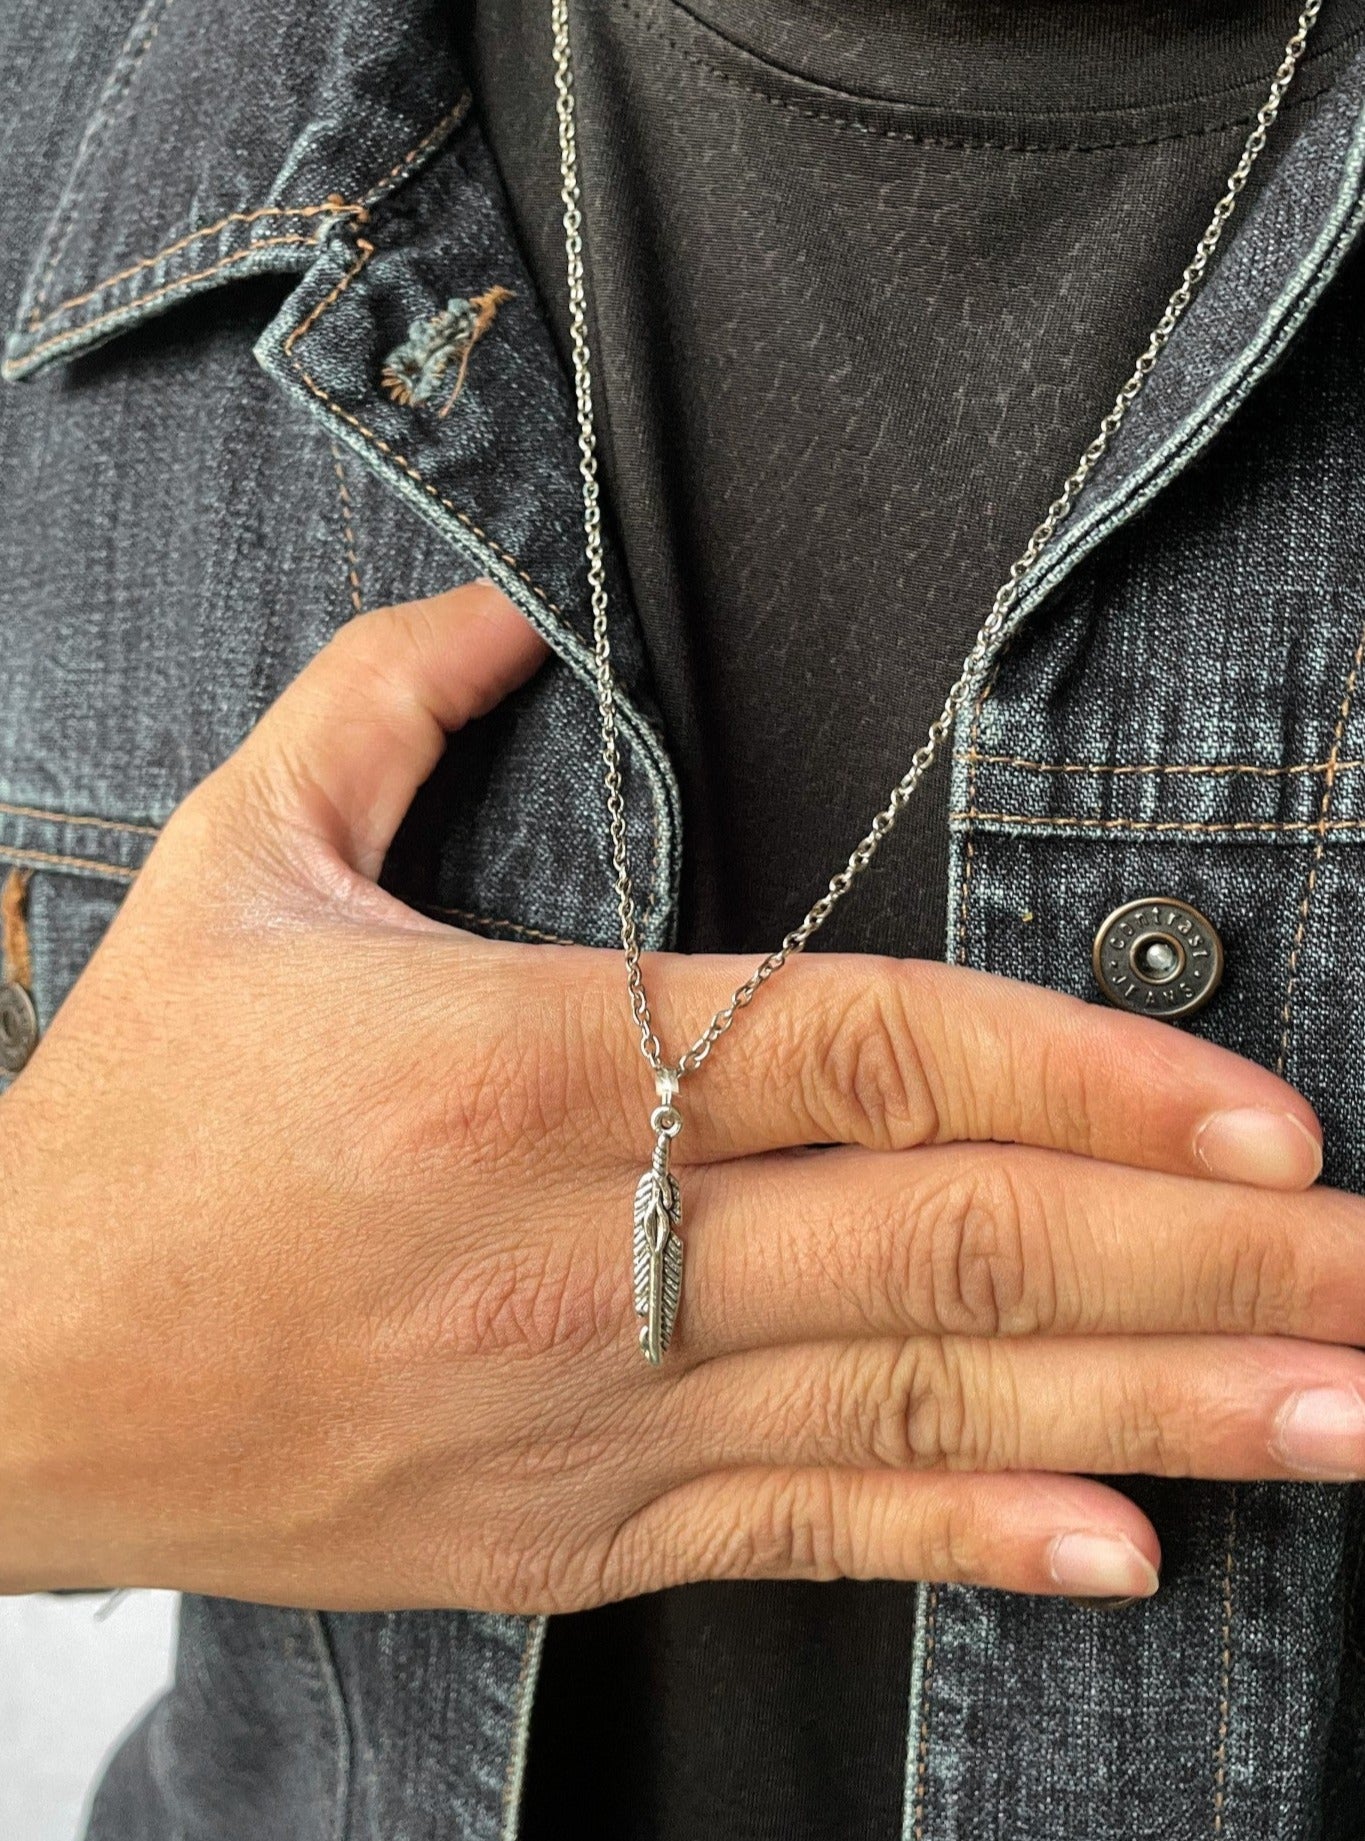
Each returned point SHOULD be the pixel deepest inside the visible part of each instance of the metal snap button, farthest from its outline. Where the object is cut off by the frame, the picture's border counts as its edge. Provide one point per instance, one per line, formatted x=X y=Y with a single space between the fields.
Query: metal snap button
x=18 y=1027
x=1158 y=957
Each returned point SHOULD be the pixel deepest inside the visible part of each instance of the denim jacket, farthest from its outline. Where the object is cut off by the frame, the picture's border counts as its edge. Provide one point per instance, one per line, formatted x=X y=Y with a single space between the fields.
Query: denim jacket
x=229 y=228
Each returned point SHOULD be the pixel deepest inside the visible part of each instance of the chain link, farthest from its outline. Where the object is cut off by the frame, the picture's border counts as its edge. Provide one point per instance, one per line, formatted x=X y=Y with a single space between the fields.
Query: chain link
x=1006 y=597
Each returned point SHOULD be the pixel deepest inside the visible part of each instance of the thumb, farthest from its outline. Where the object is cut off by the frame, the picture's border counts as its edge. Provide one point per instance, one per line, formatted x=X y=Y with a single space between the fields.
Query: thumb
x=342 y=752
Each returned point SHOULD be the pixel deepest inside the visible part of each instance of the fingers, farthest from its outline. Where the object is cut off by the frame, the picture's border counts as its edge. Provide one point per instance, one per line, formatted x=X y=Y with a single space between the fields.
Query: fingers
x=1229 y=1407
x=890 y=1053
x=341 y=753
x=1004 y=1241
x=1024 y=1534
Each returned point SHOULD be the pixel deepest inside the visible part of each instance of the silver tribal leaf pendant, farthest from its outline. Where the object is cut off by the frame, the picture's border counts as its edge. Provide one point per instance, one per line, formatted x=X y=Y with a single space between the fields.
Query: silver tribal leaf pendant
x=658 y=1251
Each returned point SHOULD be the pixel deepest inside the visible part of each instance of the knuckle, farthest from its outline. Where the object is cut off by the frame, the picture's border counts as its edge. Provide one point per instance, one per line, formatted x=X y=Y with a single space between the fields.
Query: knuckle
x=791 y=1532
x=1255 y=1282
x=867 y=1080
x=367 y=640
x=1069 y=1088
x=1142 y=1432
x=908 y=1411
x=948 y=1541
x=947 y=1405
x=986 y=1245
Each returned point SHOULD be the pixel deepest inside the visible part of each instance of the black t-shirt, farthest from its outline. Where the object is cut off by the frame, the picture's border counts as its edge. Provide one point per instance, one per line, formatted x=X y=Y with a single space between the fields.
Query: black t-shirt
x=865 y=275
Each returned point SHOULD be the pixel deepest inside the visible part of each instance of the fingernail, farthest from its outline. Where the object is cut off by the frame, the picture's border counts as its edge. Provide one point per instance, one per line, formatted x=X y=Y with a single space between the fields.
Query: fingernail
x=1272 y=1149
x=1102 y=1566
x=1321 y=1432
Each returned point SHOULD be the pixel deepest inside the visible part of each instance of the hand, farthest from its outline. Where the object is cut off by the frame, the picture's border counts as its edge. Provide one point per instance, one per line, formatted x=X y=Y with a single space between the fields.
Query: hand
x=315 y=1249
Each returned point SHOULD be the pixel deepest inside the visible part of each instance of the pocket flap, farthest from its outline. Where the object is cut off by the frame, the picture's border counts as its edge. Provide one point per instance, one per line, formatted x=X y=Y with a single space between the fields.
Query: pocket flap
x=231 y=141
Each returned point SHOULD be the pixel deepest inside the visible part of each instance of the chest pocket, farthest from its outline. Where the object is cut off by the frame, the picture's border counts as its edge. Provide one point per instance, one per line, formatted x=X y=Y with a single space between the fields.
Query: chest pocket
x=278 y=360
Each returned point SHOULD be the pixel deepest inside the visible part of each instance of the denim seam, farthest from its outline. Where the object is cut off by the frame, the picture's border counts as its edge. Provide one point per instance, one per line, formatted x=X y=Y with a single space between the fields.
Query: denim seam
x=1329 y=783
x=341 y=1720
x=1314 y=826
x=78 y=818
x=448 y=123
x=97 y=866
x=93 y=866
x=978 y=706
x=916 y=1810
x=850 y=125
x=365 y=251
x=521 y=1728
x=496 y=920
x=332 y=209
x=117 y=85
x=1212 y=769
x=78 y=334
x=1220 y=1754
x=348 y=543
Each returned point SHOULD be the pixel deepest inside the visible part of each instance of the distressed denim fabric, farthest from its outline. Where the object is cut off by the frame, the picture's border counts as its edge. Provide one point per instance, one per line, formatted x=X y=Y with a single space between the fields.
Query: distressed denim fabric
x=232 y=215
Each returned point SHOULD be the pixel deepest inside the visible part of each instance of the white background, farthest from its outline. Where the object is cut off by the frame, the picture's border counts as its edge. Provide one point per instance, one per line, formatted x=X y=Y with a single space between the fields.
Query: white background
x=71 y=1681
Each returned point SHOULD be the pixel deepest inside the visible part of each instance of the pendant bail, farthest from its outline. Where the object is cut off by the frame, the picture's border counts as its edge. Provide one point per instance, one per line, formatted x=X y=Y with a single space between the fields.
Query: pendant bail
x=665 y=1119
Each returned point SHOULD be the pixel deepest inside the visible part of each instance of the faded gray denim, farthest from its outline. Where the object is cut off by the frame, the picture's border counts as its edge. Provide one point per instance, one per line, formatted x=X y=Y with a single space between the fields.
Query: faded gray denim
x=228 y=225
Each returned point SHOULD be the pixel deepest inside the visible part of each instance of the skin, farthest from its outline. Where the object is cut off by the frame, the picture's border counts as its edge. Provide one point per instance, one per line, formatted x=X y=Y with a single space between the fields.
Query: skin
x=316 y=1219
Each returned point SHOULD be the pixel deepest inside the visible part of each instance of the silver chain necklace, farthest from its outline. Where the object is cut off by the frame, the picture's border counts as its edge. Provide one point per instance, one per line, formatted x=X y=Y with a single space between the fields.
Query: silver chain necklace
x=657 y=1248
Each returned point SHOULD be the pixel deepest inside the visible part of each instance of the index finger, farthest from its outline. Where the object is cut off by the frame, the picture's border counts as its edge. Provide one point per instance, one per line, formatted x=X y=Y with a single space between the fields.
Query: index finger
x=888 y=1053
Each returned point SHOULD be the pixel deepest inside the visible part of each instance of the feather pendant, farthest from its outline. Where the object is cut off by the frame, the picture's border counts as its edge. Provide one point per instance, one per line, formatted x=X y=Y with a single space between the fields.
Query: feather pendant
x=658 y=1254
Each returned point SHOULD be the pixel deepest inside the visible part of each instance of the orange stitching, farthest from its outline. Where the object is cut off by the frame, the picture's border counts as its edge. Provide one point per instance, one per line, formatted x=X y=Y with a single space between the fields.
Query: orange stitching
x=401 y=461
x=310 y=320
x=347 y=532
x=494 y=920
x=1314 y=825
x=1322 y=828
x=78 y=818
x=980 y=704
x=18 y=961
x=1220 y=1756
x=331 y=207
x=79 y=333
x=451 y=119
x=90 y=864
x=113 y=93
x=922 y=1748
x=1217 y=769
x=1299 y=934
